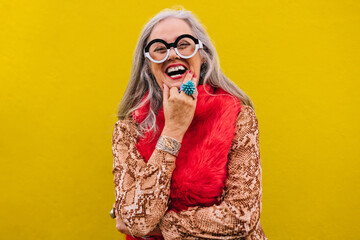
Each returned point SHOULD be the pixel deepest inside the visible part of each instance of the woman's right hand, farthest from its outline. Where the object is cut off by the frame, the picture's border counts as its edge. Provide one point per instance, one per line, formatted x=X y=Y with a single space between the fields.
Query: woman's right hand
x=179 y=109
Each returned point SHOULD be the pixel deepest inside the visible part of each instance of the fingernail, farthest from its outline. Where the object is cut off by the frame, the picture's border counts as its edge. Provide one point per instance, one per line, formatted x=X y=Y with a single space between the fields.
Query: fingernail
x=194 y=75
x=190 y=72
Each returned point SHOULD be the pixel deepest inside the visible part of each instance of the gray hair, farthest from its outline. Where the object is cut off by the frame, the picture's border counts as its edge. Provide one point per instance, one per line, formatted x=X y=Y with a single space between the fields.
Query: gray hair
x=142 y=81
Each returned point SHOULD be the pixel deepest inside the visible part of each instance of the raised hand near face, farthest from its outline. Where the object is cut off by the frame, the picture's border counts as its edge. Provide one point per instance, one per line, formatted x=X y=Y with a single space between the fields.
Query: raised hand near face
x=179 y=109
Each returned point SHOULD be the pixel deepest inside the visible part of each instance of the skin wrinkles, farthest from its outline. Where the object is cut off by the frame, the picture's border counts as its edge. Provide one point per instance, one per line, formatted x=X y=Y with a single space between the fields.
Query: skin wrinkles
x=169 y=29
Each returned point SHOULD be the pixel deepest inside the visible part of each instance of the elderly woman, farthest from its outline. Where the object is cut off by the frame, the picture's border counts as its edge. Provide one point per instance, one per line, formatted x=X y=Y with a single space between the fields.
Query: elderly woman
x=186 y=145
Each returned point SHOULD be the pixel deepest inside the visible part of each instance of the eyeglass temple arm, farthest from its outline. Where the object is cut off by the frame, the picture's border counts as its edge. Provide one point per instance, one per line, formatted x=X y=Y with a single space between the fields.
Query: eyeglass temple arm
x=200 y=44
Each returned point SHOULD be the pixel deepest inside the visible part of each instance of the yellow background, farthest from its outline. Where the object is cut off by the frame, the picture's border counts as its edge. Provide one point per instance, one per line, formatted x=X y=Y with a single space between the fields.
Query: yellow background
x=64 y=66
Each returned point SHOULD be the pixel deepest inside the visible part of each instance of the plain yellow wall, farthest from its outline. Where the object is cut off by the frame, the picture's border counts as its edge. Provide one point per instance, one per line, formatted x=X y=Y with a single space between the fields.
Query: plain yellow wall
x=64 y=66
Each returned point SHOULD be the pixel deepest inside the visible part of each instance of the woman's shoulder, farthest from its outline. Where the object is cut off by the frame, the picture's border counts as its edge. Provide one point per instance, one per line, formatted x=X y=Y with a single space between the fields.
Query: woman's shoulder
x=247 y=129
x=246 y=116
x=126 y=125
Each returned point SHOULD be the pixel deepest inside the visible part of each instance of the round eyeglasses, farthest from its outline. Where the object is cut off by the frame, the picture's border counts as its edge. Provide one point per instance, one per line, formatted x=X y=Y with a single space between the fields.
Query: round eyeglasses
x=185 y=46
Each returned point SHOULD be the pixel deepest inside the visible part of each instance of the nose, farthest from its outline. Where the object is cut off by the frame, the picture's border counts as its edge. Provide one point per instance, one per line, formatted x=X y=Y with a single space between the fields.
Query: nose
x=172 y=54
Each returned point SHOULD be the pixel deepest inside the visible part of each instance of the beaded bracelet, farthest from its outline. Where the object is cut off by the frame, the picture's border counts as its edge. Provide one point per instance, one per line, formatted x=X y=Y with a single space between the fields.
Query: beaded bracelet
x=169 y=145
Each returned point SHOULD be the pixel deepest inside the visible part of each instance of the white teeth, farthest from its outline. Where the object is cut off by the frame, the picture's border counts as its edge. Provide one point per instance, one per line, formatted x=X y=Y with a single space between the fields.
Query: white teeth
x=173 y=69
x=177 y=75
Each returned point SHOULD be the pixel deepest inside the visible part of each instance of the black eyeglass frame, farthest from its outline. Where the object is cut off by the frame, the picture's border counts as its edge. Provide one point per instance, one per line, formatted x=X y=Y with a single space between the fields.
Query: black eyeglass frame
x=198 y=45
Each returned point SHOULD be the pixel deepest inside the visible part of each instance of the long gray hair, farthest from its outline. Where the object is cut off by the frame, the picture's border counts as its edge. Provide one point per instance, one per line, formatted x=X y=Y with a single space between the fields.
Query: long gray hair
x=142 y=81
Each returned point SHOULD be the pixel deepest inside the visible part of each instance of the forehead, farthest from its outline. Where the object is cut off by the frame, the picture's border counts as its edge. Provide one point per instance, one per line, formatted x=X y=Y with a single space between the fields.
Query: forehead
x=169 y=29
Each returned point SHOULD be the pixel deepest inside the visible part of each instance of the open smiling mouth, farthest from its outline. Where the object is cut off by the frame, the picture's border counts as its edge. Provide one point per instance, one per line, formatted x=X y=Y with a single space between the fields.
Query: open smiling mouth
x=176 y=72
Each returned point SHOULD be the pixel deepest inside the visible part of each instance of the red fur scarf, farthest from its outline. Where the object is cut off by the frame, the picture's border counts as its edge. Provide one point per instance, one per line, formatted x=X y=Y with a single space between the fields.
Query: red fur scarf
x=201 y=166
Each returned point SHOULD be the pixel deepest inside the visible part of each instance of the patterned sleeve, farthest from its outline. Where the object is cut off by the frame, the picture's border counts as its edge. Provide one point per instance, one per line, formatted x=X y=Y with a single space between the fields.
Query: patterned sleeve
x=238 y=214
x=141 y=189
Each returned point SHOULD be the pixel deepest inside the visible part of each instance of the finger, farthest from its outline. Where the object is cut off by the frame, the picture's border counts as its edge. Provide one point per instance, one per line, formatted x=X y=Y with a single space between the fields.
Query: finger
x=121 y=227
x=195 y=79
x=188 y=76
x=165 y=94
x=174 y=91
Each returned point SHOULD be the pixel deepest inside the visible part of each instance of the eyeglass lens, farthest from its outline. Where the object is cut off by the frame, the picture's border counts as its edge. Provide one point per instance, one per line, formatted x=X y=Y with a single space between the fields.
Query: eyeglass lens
x=186 y=46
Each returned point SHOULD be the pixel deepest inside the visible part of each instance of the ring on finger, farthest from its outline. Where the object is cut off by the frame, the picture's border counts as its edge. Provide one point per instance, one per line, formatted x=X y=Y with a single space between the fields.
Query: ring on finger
x=188 y=88
x=112 y=213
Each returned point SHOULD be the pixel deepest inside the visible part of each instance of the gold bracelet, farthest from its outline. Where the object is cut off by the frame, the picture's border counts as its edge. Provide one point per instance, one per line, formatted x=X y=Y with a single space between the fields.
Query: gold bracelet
x=169 y=145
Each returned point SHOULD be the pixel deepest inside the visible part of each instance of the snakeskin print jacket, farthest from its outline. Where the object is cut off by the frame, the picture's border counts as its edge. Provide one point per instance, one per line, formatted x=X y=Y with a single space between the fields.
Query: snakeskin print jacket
x=142 y=189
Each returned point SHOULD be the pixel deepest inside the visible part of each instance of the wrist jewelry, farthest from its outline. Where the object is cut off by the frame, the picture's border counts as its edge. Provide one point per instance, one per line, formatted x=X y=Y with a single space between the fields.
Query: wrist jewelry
x=169 y=145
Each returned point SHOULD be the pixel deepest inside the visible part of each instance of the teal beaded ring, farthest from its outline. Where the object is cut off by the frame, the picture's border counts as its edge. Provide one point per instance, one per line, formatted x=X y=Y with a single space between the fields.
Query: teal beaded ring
x=188 y=87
